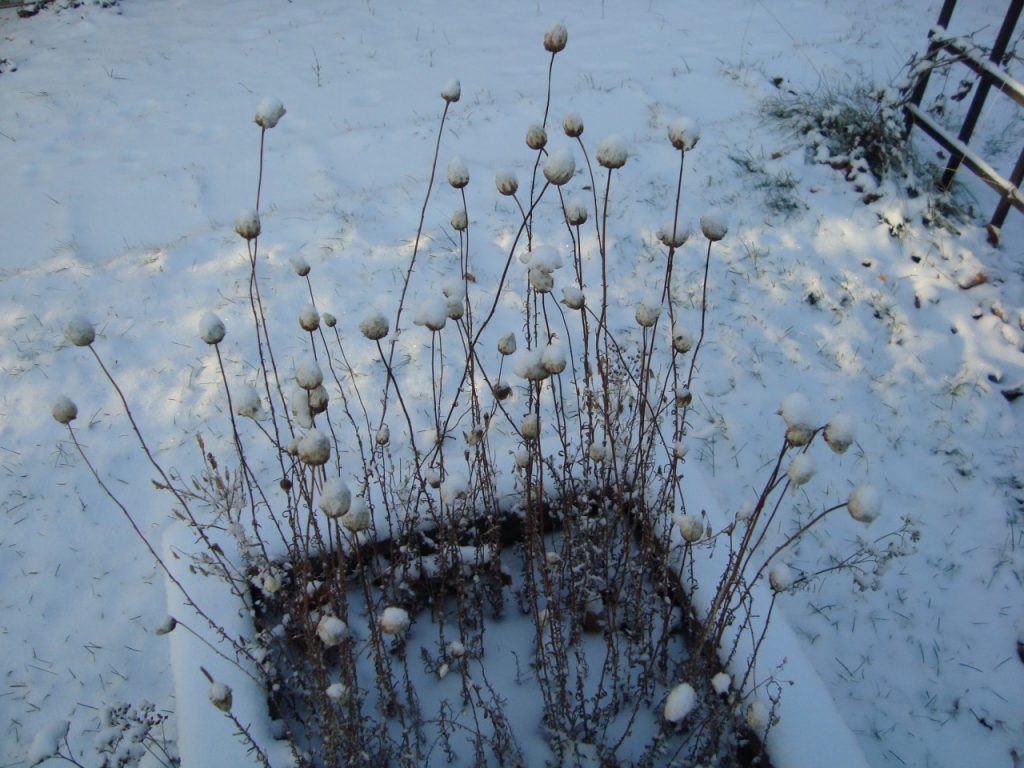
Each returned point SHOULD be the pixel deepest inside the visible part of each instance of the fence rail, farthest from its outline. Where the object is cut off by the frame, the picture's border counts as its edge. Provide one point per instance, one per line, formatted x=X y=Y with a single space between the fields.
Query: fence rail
x=990 y=75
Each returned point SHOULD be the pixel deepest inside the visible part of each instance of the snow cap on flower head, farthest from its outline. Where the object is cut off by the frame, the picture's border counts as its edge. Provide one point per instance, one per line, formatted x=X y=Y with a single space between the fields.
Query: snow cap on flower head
x=269 y=111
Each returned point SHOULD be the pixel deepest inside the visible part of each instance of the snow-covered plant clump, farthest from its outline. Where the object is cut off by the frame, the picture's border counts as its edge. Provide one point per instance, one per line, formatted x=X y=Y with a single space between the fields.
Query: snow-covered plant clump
x=492 y=446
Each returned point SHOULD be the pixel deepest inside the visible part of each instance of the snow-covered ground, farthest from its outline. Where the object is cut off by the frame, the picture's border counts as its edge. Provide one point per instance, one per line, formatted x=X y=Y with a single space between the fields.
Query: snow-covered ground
x=127 y=149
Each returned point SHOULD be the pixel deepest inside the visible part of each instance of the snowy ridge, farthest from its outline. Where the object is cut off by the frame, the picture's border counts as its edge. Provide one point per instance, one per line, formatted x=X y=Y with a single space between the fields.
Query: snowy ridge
x=809 y=733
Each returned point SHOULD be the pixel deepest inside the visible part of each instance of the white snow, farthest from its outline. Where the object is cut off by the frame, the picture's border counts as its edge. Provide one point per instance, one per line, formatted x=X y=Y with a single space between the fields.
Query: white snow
x=714 y=225
x=314 y=448
x=451 y=91
x=801 y=469
x=432 y=313
x=560 y=166
x=343 y=184
x=331 y=630
x=269 y=112
x=335 y=498
x=47 y=741
x=506 y=181
x=309 y=318
x=64 y=410
x=308 y=373
x=864 y=503
x=684 y=133
x=211 y=328
x=247 y=224
x=572 y=124
x=458 y=173
x=680 y=702
x=79 y=331
x=612 y=152
x=374 y=326
x=393 y=620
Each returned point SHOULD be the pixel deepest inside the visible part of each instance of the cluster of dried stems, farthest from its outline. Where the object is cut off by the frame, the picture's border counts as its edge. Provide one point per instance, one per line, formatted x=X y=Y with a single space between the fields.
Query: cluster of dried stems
x=592 y=509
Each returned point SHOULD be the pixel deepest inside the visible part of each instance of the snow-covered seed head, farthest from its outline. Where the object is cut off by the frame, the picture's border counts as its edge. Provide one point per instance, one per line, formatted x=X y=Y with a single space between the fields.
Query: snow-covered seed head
x=248 y=402
x=318 y=400
x=455 y=307
x=329 y=320
x=714 y=226
x=432 y=478
x=647 y=314
x=679 y=450
x=536 y=136
x=393 y=620
x=211 y=328
x=459 y=220
x=757 y=717
x=456 y=649
x=553 y=358
x=268 y=112
x=165 y=626
x=839 y=433
x=314 y=448
x=337 y=692
x=865 y=503
x=680 y=702
x=800 y=469
x=597 y=452
x=691 y=527
x=683 y=397
x=575 y=213
x=572 y=124
x=531 y=426
x=79 y=331
x=308 y=374
x=540 y=280
x=358 y=516
x=300 y=265
x=573 y=297
x=721 y=683
x=309 y=318
x=383 y=436
x=682 y=342
x=220 y=696
x=560 y=166
x=271 y=584
x=451 y=91
x=798 y=414
x=64 y=410
x=432 y=313
x=556 y=37
x=454 y=488
x=458 y=173
x=612 y=152
x=336 y=498
x=529 y=365
x=781 y=577
x=501 y=390
x=374 y=326
x=507 y=344
x=673 y=235
x=247 y=224
x=331 y=630
x=522 y=459
x=684 y=133
x=507 y=182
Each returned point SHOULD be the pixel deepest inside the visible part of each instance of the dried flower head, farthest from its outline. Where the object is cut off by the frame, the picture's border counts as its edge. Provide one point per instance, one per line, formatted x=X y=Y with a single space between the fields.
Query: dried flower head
x=536 y=136
x=781 y=577
x=647 y=314
x=79 y=331
x=531 y=426
x=458 y=173
x=308 y=374
x=559 y=167
x=309 y=318
x=314 y=448
x=374 y=326
x=839 y=433
x=358 y=516
x=684 y=133
x=573 y=297
x=575 y=213
x=329 y=320
x=299 y=265
x=459 y=220
x=247 y=224
x=865 y=503
x=682 y=342
x=506 y=182
x=572 y=124
x=556 y=37
x=64 y=410
x=331 y=630
x=800 y=469
x=673 y=235
x=269 y=112
x=451 y=91
x=798 y=414
x=612 y=152
x=393 y=620
x=714 y=226
x=507 y=344
x=691 y=527
x=220 y=696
